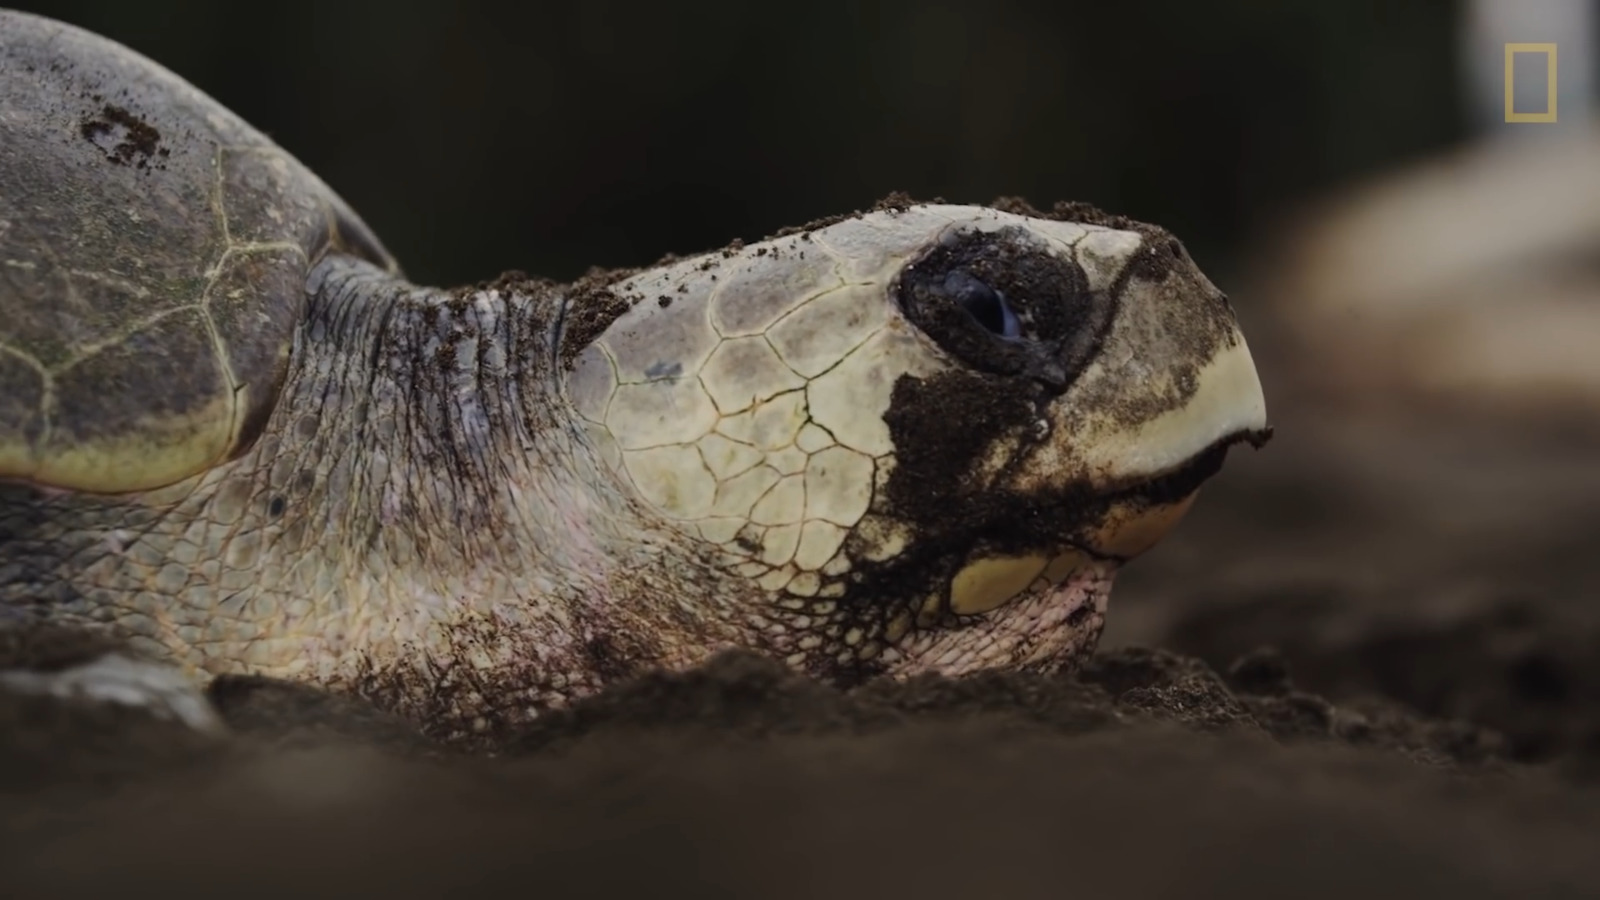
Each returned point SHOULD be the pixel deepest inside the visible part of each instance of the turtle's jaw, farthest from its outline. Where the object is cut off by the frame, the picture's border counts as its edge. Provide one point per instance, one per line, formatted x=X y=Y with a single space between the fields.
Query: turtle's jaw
x=1135 y=520
x=1042 y=605
x=1142 y=513
x=1043 y=611
x=1048 y=626
x=1040 y=611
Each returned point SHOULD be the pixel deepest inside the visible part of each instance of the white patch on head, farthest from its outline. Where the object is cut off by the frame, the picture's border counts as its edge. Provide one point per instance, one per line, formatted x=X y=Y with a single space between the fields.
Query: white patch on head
x=777 y=579
x=738 y=495
x=744 y=394
x=812 y=438
x=790 y=460
x=1067 y=233
x=783 y=504
x=719 y=530
x=652 y=342
x=772 y=425
x=838 y=485
x=744 y=371
x=819 y=541
x=805 y=584
x=850 y=399
x=1104 y=253
x=873 y=247
x=658 y=413
x=673 y=479
x=819 y=334
x=779 y=543
x=726 y=457
x=761 y=289
x=729 y=385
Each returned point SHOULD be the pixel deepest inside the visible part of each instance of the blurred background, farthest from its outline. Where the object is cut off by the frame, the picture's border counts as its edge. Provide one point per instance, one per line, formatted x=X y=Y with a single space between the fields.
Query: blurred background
x=1419 y=279
x=551 y=136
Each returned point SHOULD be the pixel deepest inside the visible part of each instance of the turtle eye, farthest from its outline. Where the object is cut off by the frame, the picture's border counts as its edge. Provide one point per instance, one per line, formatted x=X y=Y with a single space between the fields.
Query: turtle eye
x=983 y=303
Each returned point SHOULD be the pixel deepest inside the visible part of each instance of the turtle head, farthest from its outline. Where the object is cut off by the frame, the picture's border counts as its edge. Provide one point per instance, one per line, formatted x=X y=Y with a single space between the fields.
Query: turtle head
x=925 y=438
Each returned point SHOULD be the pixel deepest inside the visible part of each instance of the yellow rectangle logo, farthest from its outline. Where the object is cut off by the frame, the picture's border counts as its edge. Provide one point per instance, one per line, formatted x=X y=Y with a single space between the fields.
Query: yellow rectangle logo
x=1549 y=114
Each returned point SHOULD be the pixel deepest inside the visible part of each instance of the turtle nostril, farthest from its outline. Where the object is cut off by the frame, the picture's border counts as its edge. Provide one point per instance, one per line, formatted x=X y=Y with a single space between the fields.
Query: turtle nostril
x=983 y=303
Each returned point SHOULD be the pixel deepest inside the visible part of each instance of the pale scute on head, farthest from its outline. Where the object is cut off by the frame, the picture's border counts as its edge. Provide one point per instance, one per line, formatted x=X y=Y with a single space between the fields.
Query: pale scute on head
x=756 y=399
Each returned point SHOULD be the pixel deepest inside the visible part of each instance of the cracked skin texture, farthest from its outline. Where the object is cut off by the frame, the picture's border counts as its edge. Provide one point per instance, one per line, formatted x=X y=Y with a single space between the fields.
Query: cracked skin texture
x=263 y=451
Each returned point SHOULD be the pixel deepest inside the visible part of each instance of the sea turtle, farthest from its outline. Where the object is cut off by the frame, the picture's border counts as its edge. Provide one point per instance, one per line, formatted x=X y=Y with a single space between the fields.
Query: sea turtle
x=235 y=437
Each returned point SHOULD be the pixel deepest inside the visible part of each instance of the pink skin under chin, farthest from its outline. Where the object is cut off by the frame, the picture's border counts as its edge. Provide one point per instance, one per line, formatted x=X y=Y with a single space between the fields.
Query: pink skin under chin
x=1045 y=631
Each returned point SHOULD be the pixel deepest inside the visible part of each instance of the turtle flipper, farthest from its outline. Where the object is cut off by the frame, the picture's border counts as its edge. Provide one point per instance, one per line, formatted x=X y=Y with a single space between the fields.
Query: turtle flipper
x=97 y=674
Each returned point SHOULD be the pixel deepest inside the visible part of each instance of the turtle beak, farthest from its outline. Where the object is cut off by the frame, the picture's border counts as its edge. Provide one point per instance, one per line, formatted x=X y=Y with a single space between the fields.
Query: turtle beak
x=1152 y=467
x=1142 y=431
x=1146 y=468
x=1172 y=388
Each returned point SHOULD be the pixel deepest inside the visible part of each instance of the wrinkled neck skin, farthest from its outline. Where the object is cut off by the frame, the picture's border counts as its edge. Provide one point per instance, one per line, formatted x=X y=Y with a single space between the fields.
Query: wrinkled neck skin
x=419 y=522
x=492 y=535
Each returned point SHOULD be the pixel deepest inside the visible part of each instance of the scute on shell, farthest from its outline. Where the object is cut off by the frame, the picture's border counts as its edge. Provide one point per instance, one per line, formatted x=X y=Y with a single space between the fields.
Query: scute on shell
x=153 y=257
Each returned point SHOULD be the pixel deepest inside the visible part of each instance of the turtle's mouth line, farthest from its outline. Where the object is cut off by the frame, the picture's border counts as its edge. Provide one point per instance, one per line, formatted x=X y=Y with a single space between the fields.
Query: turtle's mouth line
x=1179 y=482
x=1138 y=514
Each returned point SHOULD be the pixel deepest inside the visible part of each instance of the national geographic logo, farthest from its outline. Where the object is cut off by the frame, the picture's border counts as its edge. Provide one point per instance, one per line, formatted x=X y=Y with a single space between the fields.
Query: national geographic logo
x=1548 y=51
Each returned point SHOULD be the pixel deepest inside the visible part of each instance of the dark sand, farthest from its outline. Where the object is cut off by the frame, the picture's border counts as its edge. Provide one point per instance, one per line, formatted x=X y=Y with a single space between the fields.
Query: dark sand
x=1429 y=726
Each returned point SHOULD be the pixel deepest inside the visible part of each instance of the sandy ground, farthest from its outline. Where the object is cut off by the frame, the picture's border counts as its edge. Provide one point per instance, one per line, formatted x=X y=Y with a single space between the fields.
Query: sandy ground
x=1428 y=724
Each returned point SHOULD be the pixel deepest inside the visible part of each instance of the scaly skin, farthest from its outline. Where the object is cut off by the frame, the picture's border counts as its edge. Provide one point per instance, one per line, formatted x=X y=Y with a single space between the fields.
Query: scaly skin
x=415 y=522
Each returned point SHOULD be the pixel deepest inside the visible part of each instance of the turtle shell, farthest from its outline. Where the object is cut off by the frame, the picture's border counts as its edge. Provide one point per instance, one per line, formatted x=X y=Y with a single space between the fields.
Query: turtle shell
x=154 y=250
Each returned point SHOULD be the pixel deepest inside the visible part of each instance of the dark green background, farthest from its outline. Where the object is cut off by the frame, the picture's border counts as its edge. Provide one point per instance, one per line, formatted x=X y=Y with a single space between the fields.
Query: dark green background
x=551 y=137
